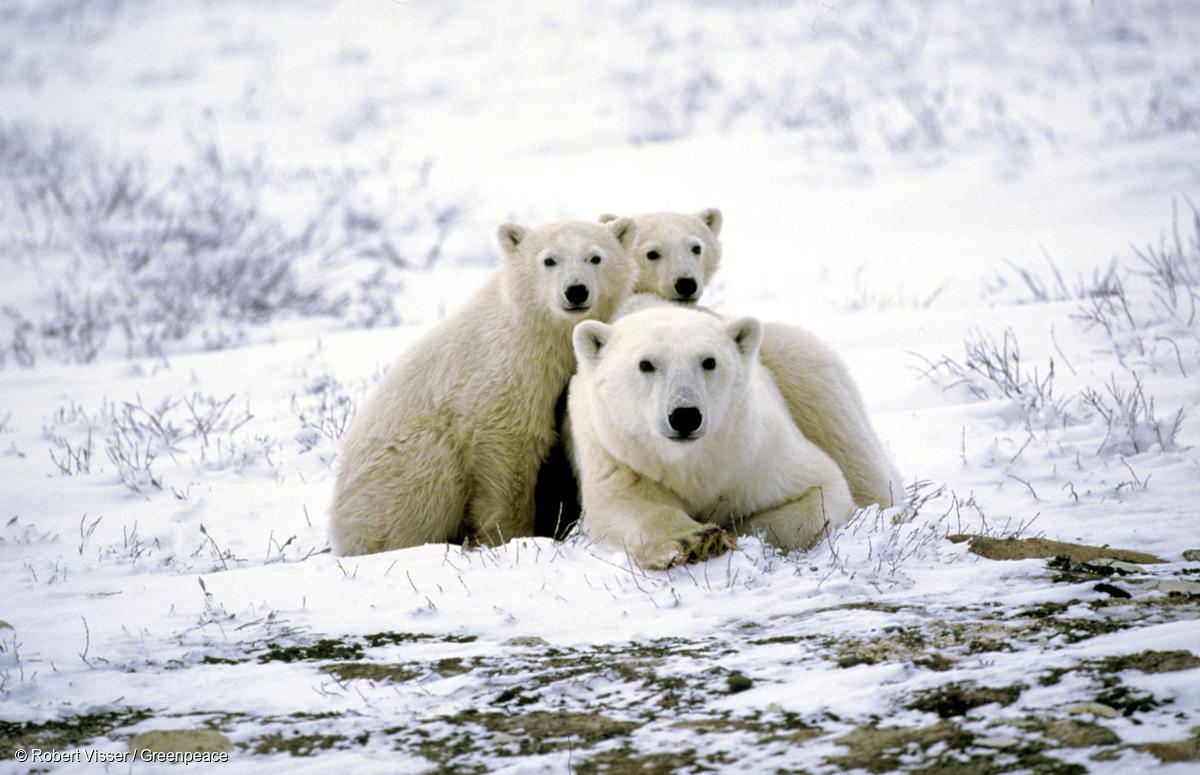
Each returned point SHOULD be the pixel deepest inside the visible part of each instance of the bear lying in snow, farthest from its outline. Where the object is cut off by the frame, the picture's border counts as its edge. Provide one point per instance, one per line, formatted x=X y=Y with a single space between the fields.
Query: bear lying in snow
x=678 y=432
x=677 y=253
x=448 y=446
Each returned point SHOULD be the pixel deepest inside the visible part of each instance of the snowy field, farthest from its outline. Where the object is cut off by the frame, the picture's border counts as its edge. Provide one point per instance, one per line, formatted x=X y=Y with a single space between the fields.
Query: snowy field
x=220 y=221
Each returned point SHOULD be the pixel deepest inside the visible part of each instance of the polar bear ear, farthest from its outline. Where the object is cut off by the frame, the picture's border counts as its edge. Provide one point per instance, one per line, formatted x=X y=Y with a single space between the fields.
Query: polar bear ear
x=510 y=236
x=747 y=334
x=607 y=217
x=589 y=337
x=624 y=230
x=711 y=217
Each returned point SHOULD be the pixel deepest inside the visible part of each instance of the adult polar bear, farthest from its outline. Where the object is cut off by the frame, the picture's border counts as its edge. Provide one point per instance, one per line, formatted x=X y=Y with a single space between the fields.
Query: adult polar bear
x=678 y=431
x=679 y=252
x=448 y=446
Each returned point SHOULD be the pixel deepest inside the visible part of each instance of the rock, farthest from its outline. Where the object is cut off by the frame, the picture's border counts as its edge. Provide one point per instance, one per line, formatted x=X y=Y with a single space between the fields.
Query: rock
x=1094 y=708
x=738 y=682
x=1070 y=733
x=1191 y=555
x=1118 y=565
x=180 y=741
x=996 y=741
x=1112 y=590
x=1175 y=586
x=1027 y=548
x=1173 y=751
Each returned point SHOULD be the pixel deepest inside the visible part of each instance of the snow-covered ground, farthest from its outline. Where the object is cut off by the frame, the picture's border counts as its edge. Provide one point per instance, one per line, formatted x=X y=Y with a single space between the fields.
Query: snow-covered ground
x=220 y=221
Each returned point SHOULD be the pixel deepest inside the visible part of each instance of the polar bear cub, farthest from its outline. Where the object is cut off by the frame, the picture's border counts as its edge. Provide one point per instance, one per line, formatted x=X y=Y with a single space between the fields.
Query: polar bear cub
x=677 y=253
x=448 y=446
x=679 y=433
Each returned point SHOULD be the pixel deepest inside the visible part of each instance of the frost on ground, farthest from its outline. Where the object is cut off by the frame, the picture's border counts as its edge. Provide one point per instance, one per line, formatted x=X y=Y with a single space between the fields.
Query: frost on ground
x=219 y=222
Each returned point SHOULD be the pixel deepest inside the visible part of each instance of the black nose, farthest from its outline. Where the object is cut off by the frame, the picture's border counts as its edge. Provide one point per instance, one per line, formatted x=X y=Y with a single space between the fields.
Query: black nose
x=685 y=286
x=685 y=420
x=577 y=294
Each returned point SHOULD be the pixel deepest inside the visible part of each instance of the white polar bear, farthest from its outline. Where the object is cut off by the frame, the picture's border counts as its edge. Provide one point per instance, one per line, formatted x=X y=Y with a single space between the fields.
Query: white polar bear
x=826 y=405
x=448 y=447
x=821 y=396
x=678 y=431
x=677 y=253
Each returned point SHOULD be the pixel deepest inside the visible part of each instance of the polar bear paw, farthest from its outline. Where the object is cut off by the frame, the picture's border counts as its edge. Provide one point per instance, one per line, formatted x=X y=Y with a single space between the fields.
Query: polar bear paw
x=703 y=544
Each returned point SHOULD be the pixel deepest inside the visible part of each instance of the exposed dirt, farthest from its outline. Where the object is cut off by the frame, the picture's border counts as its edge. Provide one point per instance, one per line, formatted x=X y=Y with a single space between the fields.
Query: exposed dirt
x=1028 y=548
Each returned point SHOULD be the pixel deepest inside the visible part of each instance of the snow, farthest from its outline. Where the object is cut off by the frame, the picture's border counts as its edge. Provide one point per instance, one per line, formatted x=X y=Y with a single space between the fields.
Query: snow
x=886 y=170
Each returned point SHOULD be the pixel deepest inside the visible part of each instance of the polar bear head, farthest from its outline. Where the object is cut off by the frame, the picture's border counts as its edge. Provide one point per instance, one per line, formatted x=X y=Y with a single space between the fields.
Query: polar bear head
x=676 y=253
x=663 y=379
x=568 y=271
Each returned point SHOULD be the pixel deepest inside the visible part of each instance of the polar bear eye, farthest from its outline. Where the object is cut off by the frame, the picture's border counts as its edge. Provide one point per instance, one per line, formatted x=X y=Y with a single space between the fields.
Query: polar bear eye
x=708 y=364
x=645 y=366
x=696 y=249
x=595 y=259
x=653 y=255
x=549 y=261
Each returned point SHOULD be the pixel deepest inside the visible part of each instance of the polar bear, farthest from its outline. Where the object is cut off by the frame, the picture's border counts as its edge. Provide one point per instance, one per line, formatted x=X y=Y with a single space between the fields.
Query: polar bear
x=821 y=396
x=826 y=405
x=448 y=446
x=678 y=433
x=677 y=253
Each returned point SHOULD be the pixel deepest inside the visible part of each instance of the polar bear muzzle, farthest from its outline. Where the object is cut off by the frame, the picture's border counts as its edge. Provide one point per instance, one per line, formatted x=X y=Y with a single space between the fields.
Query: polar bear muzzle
x=683 y=417
x=686 y=423
x=576 y=297
x=686 y=288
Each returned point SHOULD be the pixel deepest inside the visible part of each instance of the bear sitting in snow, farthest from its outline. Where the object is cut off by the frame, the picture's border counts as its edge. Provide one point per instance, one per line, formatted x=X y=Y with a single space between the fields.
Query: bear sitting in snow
x=678 y=433
x=448 y=446
x=676 y=253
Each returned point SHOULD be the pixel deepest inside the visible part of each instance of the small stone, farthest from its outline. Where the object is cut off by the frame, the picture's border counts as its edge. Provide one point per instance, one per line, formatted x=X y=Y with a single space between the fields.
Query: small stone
x=1191 y=555
x=528 y=641
x=996 y=741
x=1094 y=708
x=1070 y=733
x=1112 y=590
x=738 y=682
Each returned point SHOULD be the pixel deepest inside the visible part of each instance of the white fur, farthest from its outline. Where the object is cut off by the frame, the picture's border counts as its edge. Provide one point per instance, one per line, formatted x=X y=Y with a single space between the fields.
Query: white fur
x=820 y=394
x=674 y=247
x=824 y=402
x=746 y=468
x=448 y=447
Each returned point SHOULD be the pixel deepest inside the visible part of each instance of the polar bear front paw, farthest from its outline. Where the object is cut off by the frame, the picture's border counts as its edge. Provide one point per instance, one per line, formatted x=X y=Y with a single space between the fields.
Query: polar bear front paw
x=701 y=545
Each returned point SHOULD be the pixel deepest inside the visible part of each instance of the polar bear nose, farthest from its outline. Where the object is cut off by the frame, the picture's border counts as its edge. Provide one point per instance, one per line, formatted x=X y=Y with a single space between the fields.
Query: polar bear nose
x=685 y=420
x=685 y=286
x=577 y=294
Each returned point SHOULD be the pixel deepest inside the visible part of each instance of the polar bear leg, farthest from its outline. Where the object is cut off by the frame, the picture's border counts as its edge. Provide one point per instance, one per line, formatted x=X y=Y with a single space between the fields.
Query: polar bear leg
x=655 y=535
x=502 y=496
x=405 y=494
x=800 y=523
